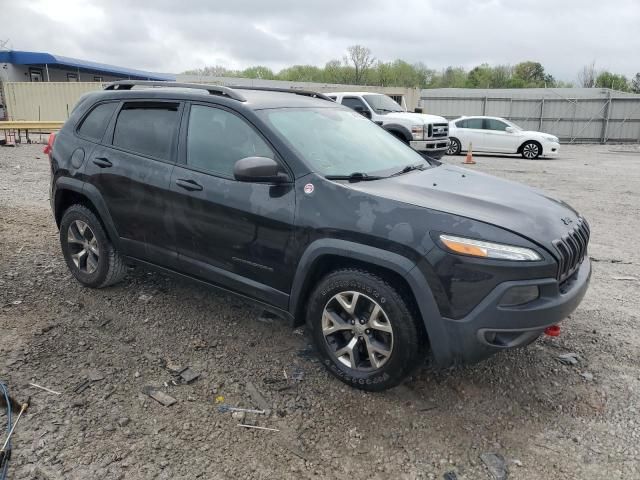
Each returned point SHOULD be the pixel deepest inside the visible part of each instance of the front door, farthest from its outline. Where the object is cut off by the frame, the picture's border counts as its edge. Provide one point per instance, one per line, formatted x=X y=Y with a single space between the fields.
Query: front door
x=497 y=139
x=232 y=233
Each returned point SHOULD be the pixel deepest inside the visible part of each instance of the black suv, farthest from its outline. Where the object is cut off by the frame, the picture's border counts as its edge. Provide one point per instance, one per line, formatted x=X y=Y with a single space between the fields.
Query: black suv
x=318 y=214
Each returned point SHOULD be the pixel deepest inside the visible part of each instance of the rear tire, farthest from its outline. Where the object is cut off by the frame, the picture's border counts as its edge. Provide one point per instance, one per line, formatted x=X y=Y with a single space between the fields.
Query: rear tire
x=90 y=255
x=531 y=150
x=365 y=332
x=454 y=147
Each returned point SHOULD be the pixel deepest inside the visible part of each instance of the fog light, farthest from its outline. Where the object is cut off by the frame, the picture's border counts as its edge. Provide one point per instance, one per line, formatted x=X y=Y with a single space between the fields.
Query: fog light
x=519 y=295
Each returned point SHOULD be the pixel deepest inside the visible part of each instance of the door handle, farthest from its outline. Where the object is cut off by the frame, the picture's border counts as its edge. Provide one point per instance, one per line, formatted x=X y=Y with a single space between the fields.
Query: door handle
x=102 y=162
x=190 y=185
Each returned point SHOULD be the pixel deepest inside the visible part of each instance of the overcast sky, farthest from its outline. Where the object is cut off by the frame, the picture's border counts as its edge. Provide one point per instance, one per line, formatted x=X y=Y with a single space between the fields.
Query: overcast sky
x=176 y=35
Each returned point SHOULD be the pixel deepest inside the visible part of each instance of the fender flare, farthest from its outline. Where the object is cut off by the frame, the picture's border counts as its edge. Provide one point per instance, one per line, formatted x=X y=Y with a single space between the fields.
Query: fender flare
x=93 y=195
x=401 y=129
x=433 y=322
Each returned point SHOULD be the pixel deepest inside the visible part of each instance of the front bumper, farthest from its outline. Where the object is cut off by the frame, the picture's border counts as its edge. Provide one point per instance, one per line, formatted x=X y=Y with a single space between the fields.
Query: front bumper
x=550 y=149
x=430 y=146
x=490 y=327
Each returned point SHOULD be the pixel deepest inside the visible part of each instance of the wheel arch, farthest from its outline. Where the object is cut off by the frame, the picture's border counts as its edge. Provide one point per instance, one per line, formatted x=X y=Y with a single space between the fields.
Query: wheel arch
x=529 y=140
x=70 y=191
x=326 y=255
x=399 y=131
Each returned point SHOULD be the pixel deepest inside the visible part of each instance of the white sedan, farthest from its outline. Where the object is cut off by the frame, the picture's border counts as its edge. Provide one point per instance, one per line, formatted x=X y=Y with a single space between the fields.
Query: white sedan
x=497 y=135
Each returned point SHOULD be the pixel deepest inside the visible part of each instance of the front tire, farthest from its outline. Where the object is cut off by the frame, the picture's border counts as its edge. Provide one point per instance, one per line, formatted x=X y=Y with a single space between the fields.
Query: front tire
x=90 y=256
x=531 y=150
x=454 y=147
x=365 y=332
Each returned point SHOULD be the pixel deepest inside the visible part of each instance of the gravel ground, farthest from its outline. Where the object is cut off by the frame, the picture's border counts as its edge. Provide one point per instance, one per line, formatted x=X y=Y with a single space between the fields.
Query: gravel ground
x=546 y=419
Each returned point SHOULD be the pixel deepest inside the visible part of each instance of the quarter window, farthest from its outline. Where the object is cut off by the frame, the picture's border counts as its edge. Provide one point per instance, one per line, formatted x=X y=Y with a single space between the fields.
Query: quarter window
x=147 y=128
x=95 y=124
x=217 y=139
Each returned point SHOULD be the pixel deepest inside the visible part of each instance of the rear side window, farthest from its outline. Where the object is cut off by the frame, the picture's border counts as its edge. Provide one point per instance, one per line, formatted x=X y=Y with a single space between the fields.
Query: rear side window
x=472 y=123
x=217 y=139
x=147 y=128
x=95 y=124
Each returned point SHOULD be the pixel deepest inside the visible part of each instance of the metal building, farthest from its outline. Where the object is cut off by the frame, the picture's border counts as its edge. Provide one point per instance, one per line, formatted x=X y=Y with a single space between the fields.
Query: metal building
x=575 y=115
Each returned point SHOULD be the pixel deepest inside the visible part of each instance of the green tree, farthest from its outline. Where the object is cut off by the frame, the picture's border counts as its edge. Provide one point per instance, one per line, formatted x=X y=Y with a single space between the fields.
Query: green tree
x=258 y=72
x=635 y=83
x=531 y=73
x=361 y=59
x=480 y=77
x=301 y=73
x=613 y=81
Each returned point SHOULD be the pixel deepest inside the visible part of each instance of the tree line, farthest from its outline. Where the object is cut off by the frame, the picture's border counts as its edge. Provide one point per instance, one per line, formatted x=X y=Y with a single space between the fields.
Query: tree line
x=360 y=67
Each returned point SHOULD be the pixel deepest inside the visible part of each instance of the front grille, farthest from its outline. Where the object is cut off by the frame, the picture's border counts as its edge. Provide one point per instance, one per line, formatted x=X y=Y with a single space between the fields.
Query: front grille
x=438 y=130
x=572 y=249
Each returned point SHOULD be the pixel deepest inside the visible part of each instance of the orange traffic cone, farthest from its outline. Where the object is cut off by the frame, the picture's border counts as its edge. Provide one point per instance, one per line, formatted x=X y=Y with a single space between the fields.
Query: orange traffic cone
x=469 y=160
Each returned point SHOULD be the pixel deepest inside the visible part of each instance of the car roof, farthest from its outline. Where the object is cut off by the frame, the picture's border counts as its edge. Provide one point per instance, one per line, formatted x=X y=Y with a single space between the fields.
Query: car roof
x=257 y=99
x=353 y=93
x=478 y=116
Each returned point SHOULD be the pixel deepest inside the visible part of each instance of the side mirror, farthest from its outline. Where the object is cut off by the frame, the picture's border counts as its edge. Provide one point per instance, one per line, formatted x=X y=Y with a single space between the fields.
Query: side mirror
x=417 y=110
x=509 y=130
x=258 y=170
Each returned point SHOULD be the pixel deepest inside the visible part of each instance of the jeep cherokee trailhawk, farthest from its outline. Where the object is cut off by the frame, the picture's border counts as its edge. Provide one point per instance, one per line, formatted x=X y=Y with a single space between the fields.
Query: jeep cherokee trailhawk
x=318 y=214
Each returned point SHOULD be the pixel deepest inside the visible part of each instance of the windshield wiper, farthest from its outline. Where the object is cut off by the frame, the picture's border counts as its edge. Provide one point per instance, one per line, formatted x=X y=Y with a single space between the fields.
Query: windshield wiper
x=354 y=177
x=409 y=168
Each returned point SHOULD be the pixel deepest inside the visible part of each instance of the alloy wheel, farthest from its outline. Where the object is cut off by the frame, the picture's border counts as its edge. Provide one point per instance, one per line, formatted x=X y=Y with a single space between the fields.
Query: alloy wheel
x=453 y=148
x=530 y=150
x=83 y=246
x=357 y=331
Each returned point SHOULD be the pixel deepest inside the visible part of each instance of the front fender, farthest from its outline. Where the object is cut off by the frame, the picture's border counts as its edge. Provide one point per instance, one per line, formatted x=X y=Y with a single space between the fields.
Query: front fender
x=380 y=258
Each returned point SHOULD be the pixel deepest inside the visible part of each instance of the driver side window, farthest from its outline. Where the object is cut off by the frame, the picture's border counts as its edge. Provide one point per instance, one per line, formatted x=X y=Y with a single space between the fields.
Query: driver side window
x=493 y=124
x=354 y=103
x=217 y=139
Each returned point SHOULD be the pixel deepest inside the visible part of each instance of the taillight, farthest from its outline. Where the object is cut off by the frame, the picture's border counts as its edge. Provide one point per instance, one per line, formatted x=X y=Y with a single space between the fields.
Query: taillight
x=49 y=147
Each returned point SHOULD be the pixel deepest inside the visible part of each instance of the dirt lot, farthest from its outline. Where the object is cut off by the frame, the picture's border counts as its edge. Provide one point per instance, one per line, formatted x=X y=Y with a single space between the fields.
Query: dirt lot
x=547 y=419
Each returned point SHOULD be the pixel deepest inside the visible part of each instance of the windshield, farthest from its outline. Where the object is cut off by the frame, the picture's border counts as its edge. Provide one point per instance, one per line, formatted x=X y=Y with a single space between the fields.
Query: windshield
x=336 y=141
x=382 y=103
x=511 y=124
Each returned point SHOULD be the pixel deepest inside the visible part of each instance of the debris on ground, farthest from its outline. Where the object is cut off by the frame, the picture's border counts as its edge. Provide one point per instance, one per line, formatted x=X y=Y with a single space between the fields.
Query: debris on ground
x=450 y=476
x=267 y=317
x=188 y=375
x=297 y=375
x=159 y=396
x=587 y=376
x=228 y=408
x=45 y=389
x=219 y=399
x=258 y=428
x=145 y=297
x=496 y=465
x=258 y=398
x=626 y=279
x=569 y=358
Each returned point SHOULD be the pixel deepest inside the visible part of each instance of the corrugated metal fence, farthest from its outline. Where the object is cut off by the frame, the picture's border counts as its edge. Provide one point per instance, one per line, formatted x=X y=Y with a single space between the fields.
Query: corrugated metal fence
x=50 y=101
x=573 y=115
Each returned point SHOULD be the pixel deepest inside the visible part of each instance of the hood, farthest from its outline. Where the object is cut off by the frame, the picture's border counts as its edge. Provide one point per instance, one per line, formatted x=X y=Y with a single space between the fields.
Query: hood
x=534 y=134
x=419 y=118
x=523 y=210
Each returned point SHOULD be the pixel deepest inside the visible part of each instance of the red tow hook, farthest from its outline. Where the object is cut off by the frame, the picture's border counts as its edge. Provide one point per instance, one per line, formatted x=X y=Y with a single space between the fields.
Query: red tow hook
x=552 y=331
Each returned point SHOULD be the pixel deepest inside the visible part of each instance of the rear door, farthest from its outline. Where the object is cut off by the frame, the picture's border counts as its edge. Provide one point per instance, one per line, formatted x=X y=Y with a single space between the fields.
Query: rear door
x=132 y=171
x=497 y=139
x=235 y=234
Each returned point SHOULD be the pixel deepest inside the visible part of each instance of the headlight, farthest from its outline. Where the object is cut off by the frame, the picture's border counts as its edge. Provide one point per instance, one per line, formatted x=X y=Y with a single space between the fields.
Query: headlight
x=478 y=248
x=551 y=139
x=417 y=131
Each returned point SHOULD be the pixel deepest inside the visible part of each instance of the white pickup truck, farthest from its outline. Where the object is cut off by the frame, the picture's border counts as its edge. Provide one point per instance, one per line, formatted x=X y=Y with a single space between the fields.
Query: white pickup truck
x=427 y=134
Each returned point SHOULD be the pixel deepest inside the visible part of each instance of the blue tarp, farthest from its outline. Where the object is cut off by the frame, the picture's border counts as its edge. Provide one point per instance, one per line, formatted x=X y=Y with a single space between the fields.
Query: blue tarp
x=40 y=58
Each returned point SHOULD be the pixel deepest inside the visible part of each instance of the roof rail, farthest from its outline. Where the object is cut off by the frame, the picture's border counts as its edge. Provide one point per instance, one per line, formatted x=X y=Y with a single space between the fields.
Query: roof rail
x=306 y=93
x=212 y=89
